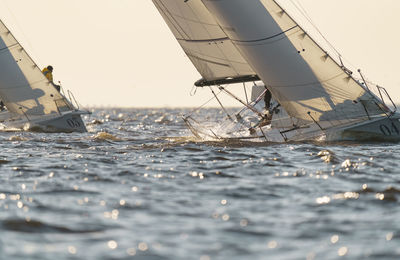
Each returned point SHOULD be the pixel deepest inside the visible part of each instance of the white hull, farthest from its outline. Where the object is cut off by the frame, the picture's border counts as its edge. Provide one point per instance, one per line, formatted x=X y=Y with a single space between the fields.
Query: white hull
x=380 y=128
x=66 y=122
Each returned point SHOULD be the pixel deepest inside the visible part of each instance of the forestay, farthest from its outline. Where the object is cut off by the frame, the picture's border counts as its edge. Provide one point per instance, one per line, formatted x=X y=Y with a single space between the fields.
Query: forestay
x=23 y=87
x=204 y=42
x=306 y=81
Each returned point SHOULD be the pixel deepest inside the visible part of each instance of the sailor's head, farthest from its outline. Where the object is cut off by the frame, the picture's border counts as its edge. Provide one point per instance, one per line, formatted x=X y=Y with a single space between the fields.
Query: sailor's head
x=50 y=68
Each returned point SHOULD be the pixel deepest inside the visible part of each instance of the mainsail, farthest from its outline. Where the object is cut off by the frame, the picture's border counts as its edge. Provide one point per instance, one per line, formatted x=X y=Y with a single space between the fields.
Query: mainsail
x=204 y=42
x=235 y=38
x=306 y=81
x=23 y=87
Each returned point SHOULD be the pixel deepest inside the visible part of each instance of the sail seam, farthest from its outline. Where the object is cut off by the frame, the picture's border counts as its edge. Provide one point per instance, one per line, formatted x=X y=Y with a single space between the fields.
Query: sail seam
x=172 y=19
x=8 y=47
x=220 y=39
x=25 y=85
x=306 y=84
x=195 y=53
x=320 y=47
x=204 y=40
x=206 y=60
x=268 y=38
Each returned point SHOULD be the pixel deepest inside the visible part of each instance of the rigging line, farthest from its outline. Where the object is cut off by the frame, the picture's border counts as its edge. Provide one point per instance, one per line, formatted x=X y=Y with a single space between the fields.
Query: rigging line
x=245 y=92
x=254 y=103
x=308 y=17
x=241 y=101
x=305 y=14
x=314 y=41
x=222 y=106
x=208 y=101
x=270 y=37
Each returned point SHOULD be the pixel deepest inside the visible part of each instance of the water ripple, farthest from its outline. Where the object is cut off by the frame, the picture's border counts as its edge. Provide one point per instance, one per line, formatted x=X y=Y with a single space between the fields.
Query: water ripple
x=139 y=185
x=34 y=226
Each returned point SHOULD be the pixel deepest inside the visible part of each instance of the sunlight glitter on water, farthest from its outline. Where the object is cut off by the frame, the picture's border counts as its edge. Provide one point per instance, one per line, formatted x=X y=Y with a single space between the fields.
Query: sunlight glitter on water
x=140 y=185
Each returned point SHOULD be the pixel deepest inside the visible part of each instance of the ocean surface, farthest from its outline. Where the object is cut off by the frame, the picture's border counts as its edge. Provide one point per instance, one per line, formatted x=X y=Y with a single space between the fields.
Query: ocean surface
x=138 y=185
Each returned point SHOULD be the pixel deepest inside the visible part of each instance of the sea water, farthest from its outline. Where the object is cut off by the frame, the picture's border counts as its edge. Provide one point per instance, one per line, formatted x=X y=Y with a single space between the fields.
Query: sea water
x=138 y=185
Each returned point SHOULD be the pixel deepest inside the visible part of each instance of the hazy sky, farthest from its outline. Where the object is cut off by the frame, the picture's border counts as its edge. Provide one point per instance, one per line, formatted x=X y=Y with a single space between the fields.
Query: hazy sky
x=121 y=53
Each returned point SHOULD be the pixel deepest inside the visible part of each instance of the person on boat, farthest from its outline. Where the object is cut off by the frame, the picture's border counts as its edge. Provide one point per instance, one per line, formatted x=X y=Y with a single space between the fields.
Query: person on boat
x=48 y=72
x=267 y=99
x=268 y=113
x=266 y=119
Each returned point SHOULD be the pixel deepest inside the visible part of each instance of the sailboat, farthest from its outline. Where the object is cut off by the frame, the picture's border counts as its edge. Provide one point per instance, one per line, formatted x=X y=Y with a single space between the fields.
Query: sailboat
x=32 y=101
x=236 y=41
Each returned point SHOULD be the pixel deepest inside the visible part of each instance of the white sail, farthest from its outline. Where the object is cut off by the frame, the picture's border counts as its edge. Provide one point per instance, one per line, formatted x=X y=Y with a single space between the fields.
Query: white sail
x=307 y=82
x=204 y=42
x=23 y=87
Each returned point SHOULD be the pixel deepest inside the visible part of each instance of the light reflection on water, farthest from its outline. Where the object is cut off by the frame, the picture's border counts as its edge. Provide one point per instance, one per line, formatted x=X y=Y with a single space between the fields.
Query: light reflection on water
x=139 y=185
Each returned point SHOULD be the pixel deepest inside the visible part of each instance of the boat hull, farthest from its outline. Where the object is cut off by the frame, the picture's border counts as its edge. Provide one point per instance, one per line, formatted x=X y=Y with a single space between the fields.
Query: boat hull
x=381 y=129
x=66 y=122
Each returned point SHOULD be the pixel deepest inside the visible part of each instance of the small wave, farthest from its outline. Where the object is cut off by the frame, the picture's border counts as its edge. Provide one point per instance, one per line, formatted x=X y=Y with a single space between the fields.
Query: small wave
x=220 y=158
x=2 y=161
x=193 y=149
x=41 y=129
x=328 y=156
x=237 y=143
x=95 y=122
x=103 y=136
x=17 y=138
x=223 y=142
x=10 y=129
x=223 y=175
x=180 y=139
x=70 y=191
x=389 y=194
x=243 y=231
x=119 y=118
x=162 y=120
x=34 y=226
